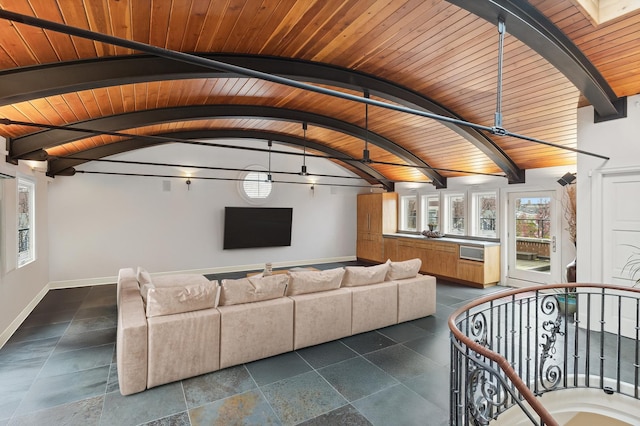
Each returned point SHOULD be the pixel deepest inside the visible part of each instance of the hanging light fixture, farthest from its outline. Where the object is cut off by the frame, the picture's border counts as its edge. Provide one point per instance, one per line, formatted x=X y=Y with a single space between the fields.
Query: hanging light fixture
x=365 y=153
x=303 y=171
x=269 y=174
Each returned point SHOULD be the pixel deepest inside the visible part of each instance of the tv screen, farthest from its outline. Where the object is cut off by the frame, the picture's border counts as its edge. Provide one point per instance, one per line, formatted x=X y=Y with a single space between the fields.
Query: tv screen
x=247 y=227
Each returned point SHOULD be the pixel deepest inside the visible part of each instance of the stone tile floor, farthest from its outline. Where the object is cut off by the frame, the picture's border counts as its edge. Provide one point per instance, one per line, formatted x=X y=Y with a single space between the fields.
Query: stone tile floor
x=59 y=368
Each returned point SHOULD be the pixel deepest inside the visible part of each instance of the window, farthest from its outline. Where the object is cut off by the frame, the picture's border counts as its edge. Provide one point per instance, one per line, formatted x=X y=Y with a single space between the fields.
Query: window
x=430 y=212
x=26 y=211
x=454 y=214
x=255 y=187
x=408 y=213
x=484 y=214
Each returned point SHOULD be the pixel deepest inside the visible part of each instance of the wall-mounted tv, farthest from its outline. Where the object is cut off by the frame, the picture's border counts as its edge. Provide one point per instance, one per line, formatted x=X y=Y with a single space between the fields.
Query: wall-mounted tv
x=248 y=227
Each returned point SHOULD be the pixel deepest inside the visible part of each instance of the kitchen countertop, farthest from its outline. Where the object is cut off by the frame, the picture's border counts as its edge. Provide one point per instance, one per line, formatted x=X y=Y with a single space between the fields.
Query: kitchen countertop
x=445 y=239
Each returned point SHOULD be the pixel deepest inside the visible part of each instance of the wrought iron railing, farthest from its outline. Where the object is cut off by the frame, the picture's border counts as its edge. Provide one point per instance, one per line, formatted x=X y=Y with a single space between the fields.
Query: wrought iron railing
x=509 y=348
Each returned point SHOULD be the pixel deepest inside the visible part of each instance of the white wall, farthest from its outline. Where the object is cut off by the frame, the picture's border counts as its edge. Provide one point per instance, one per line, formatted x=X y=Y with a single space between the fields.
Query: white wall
x=21 y=289
x=100 y=223
x=619 y=140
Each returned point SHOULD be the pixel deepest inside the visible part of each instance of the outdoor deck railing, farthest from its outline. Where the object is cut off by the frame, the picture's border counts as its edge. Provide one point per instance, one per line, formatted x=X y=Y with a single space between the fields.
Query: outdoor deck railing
x=509 y=348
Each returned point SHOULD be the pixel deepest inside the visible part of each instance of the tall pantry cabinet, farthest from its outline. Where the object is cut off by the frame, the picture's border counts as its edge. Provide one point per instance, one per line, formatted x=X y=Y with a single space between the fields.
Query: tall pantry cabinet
x=377 y=215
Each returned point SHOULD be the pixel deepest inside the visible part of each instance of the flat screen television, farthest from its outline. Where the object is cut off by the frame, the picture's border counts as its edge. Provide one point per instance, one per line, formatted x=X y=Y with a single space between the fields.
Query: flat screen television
x=249 y=227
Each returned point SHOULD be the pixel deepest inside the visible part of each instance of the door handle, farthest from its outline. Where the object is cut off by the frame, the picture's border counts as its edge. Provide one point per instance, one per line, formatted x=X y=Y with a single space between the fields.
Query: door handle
x=553 y=243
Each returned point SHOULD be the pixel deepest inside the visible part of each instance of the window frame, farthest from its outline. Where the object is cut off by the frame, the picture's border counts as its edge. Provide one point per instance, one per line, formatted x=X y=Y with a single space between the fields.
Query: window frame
x=244 y=179
x=475 y=219
x=425 y=211
x=447 y=216
x=25 y=257
x=405 y=219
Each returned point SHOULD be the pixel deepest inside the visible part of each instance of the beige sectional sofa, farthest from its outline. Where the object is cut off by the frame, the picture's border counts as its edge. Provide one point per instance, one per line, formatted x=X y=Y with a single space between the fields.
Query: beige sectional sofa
x=179 y=326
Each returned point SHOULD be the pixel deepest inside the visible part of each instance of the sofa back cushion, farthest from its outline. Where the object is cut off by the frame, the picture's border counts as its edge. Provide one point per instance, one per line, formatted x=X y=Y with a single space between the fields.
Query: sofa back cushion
x=364 y=275
x=402 y=270
x=174 y=280
x=314 y=281
x=183 y=298
x=252 y=289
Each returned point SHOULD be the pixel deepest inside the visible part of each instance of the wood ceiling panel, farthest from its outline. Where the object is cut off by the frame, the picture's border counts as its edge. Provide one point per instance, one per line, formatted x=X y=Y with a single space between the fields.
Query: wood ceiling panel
x=432 y=47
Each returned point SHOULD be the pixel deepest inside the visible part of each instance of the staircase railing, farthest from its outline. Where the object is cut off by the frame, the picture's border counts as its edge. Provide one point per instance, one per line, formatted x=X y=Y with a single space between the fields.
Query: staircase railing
x=509 y=348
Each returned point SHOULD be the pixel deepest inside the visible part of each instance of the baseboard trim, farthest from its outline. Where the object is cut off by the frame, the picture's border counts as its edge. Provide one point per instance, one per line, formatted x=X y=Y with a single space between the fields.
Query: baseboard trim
x=218 y=270
x=8 y=332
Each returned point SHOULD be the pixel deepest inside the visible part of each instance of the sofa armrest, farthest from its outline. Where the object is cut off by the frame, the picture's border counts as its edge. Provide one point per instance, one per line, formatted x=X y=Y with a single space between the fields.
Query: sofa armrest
x=416 y=297
x=131 y=344
x=126 y=281
x=183 y=345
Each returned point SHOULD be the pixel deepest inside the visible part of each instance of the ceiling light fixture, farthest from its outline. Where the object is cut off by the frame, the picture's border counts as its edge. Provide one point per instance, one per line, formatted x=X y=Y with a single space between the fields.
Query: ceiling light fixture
x=303 y=171
x=269 y=174
x=567 y=179
x=365 y=153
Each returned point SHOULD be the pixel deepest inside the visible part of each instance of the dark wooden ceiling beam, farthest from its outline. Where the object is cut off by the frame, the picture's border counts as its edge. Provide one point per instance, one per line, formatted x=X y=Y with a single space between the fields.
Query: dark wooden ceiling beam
x=531 y=27
x=54 y=79
x=23 y=146
x=62 y=166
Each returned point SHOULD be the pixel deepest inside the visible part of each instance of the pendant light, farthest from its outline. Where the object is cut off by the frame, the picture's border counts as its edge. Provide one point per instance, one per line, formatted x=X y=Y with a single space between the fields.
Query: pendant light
x=365 y=153
x=269 y=174
x=303 y=171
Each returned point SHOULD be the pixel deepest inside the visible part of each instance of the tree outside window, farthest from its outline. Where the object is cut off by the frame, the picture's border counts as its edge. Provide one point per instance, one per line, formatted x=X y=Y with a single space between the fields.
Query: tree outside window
x=26 y=210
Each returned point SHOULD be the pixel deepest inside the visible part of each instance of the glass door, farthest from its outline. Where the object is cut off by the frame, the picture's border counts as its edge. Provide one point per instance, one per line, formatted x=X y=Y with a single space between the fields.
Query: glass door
x=533 y=257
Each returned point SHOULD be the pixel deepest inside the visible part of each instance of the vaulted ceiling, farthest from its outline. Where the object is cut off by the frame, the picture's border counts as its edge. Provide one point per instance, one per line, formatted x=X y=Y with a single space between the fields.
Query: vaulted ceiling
x=424 y=86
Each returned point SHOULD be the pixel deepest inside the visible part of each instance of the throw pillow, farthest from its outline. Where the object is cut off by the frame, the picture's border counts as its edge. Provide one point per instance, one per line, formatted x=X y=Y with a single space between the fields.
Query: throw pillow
x=186 y=298
x=252 y=289
x=402 y=270
x=364 y=275
x=314 y=281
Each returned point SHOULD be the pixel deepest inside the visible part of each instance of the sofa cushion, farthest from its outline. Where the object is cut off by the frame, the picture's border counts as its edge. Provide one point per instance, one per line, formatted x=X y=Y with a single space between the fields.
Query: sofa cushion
x=173 y=280
x=252 y=289
x=364 y=275
x=185 y=298
x=404 y=269
x=313 y=281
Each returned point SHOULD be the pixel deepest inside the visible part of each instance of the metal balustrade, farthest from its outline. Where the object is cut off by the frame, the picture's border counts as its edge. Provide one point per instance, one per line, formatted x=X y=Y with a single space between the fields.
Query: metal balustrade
x=510 y=348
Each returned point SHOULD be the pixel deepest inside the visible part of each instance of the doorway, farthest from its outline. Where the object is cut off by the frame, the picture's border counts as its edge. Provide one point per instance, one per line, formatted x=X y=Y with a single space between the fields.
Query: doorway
x=532 y=246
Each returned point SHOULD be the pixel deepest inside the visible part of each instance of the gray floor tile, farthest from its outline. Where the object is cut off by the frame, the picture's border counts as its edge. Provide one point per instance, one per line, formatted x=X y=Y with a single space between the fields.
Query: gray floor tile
x=85 y=412
x=346 y=415
x=19 y=375
x=101 y=311
x=326 y=354
x=78 y=360
x=29 y=350
x=436 y=348
x=46 y=318
x=400 y=362
x=49 y=392
x=400 y=406
x=356 y=378
x=91 y=324
x=302 y=397
x=276 y=368
x=403 y=332
x=180 y=419
x=367 y=342
x=24 y=334
x=70 y=342
x=152 y=404
x=112 y=382
x=9 y=402
x=218 y=385
x=249 y=408
x=430 y=385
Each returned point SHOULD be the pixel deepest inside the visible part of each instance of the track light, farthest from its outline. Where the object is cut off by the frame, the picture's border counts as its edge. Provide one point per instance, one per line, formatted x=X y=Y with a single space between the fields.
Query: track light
x=567 y=178
x=303 y=171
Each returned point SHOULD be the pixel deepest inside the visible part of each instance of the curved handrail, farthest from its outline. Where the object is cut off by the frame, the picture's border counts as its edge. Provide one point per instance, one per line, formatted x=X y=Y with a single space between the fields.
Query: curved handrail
x=501 y=361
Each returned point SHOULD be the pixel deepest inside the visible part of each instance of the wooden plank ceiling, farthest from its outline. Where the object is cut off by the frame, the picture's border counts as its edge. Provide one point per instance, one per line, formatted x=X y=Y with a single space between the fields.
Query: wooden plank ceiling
x=435 y=49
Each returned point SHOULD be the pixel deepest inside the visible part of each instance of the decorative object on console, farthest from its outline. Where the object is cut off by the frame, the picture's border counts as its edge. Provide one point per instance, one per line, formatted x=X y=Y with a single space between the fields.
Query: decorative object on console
x=432 y=234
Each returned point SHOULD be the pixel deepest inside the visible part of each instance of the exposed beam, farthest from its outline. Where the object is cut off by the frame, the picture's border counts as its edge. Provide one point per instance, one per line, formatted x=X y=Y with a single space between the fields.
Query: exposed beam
x=25 y=145
x=62 y=165
x=54 y=79
x=526 y=23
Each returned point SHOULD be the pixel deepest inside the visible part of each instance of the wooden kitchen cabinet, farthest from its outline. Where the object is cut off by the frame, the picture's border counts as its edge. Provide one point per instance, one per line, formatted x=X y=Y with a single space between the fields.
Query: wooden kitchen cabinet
x=377 y=214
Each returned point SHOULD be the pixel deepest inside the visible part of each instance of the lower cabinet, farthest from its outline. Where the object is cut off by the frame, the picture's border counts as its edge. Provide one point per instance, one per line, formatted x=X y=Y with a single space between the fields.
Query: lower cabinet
x=441 y=258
